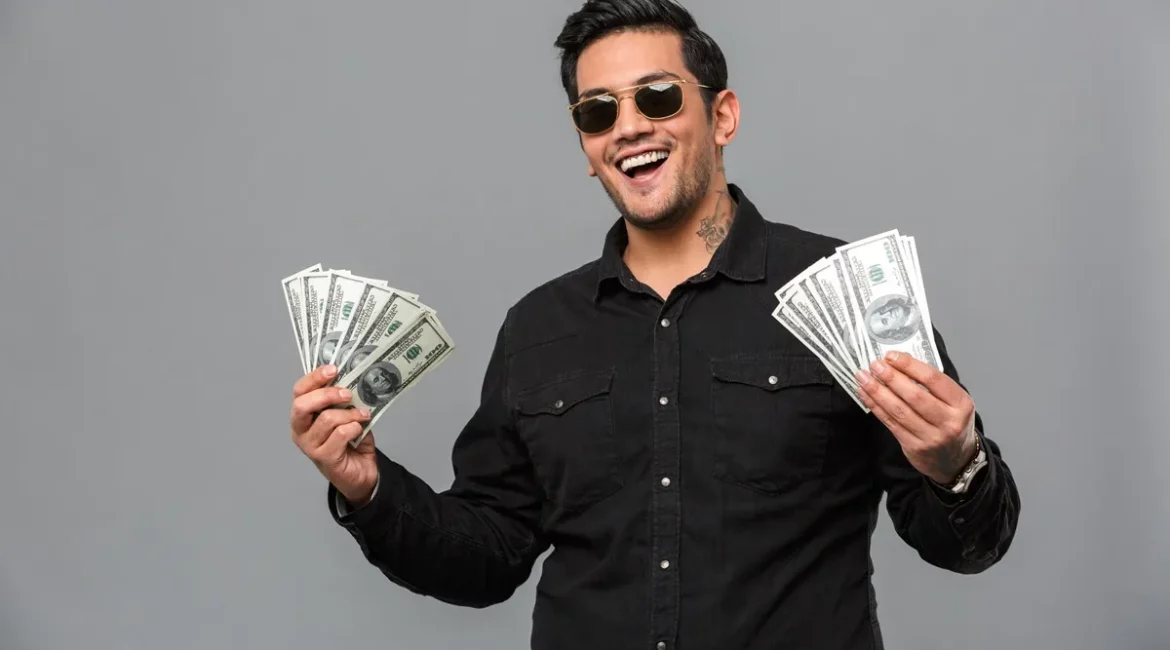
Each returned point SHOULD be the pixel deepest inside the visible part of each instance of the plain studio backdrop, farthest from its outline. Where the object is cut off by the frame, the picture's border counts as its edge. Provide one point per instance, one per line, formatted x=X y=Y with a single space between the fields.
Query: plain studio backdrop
x=164 y=164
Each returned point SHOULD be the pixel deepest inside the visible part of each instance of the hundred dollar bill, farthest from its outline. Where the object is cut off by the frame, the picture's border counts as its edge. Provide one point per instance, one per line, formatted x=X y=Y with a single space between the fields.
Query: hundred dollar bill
x=395 y=366
x=912 y=256
x=797 y=288
x=354 y=322
x=343 y=298
x=315 y=286
x=295 y=300
x=387 y=320
x=837 y=285
x=889 y=305
x=819 y=284
x=799 y=305
x=786 y=317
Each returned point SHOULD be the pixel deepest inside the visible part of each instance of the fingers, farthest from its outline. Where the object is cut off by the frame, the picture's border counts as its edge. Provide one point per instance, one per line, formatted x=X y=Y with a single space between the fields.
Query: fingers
x=307 y=406
x=913 y=394
x=896 y=414
x=336 y=446
x=323 y=427
x=316 y=379
x=938 y=383
x=905 y=438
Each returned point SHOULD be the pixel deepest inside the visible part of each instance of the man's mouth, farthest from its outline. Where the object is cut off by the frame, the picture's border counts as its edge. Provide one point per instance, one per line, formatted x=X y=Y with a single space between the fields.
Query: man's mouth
x=644 y=164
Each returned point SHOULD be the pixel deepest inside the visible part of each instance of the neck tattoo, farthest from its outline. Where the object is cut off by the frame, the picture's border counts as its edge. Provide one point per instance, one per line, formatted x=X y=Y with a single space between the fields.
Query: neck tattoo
x=713 y=229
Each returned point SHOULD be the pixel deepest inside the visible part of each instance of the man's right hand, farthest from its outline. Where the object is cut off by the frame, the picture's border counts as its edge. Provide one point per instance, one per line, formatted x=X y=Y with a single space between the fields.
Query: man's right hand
x=324 y=434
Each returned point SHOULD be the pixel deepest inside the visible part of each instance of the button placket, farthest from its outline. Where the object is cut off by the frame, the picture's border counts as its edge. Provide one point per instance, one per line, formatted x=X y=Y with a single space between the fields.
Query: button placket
x=665 y=507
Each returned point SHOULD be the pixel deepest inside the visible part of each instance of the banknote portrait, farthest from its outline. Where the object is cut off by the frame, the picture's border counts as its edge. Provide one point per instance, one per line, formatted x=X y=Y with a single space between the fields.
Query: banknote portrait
x=378 y=384
x=892 y=319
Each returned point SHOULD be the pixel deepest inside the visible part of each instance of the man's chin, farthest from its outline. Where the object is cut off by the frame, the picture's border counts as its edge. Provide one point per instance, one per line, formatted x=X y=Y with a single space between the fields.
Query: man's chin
x=651 y=219
x=645 y=208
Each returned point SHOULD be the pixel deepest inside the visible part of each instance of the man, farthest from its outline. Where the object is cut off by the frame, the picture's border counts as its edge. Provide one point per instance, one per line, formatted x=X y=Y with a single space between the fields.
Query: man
x=702 y=480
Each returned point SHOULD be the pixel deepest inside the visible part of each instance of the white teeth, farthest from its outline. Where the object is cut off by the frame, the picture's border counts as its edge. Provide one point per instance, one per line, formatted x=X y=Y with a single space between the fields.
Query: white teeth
x=643 y=159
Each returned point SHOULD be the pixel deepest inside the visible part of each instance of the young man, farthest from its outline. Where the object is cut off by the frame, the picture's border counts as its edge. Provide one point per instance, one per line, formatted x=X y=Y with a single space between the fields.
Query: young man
x=702 y=479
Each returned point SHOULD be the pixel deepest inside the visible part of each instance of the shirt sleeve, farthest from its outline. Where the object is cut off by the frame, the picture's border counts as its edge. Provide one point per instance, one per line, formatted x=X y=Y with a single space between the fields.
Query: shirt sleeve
x=342 y=506
x=964 y=533
x=474 y=543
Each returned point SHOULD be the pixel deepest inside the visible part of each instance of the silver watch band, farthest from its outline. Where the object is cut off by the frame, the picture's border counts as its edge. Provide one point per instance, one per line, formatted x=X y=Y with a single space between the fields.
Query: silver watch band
x=963 y=482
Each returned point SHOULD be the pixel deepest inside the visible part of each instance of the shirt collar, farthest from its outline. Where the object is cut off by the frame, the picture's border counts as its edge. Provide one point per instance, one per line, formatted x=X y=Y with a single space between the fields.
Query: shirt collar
x=742 y=255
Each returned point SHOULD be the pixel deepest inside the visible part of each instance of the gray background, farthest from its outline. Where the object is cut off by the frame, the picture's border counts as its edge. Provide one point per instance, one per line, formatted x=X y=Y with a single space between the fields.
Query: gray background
x=164 y=164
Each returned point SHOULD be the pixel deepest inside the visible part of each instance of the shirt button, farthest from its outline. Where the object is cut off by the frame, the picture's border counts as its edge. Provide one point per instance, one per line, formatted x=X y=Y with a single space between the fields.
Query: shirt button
x=665 y=322
x=773 y=379
x=558 y=404
x=665 y=481
x=664 y=400
x=960 y=520
x=661 y=645
x=665 y=564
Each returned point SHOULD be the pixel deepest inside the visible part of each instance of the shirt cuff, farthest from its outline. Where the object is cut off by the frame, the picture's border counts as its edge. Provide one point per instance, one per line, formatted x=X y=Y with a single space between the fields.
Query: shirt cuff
x=342 y=505
x=967 y=512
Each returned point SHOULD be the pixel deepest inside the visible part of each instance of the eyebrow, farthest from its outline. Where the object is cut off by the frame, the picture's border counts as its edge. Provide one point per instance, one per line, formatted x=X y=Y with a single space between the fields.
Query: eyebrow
x=657 y=75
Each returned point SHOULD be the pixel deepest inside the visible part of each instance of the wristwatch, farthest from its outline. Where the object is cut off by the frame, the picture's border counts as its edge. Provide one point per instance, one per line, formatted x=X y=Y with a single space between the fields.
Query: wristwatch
x=961 y=484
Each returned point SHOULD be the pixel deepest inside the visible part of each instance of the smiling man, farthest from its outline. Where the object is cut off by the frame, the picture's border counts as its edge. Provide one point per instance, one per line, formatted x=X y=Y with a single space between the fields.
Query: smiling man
x=700 y=478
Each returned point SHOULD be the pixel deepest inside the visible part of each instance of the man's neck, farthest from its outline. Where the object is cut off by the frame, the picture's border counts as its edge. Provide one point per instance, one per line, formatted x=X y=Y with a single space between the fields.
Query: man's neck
x=667 y=257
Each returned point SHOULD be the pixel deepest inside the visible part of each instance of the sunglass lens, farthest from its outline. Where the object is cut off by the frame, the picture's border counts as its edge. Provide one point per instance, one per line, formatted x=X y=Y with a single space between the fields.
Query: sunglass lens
x=596 y=115
x=659 y=100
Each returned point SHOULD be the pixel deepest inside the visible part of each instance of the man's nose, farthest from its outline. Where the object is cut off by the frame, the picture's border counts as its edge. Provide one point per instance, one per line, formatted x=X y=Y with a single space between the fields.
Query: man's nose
x=630 y=123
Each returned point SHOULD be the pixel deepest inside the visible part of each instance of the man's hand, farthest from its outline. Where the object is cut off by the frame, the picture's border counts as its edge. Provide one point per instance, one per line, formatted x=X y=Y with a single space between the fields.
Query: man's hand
x=324 y=434
x=930 y=414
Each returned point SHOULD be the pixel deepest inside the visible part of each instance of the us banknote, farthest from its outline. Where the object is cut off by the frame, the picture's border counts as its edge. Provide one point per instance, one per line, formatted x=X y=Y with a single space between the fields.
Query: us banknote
x=344 y=319
x=852 y=307
x=395 y=365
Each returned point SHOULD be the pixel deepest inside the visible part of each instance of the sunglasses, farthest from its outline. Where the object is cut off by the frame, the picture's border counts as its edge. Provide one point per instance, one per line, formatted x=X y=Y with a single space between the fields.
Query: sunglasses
x=656 y=100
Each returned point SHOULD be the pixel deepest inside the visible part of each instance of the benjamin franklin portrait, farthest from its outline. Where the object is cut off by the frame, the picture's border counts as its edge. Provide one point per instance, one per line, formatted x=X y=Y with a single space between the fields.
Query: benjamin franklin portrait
x=328 y=345
x=359 y=355
x=892 y=319
x=379 y=384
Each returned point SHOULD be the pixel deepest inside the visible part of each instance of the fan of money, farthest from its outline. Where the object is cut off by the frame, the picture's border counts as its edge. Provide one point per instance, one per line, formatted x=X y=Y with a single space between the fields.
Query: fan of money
x=381 y=339
x=854 y=306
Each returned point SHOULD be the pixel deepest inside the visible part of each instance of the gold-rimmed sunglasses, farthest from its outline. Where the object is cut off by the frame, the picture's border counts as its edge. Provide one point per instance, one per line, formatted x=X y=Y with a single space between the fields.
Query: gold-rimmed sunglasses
x=656 y=100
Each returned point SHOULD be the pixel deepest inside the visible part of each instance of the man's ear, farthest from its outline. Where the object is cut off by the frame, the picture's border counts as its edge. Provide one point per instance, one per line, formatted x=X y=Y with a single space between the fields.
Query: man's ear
x=726 y=117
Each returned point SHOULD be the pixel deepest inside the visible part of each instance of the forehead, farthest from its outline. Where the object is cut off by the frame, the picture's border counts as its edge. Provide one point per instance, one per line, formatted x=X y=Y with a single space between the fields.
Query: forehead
x=621 y=59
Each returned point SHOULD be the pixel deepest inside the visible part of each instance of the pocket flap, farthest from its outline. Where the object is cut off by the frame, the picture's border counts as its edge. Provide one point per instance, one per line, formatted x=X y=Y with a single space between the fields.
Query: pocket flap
x=564 y=393
x=772 y=371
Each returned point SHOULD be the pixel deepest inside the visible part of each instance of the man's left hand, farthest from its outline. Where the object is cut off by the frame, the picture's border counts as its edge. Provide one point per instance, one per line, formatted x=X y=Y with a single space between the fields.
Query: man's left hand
x=929 y=413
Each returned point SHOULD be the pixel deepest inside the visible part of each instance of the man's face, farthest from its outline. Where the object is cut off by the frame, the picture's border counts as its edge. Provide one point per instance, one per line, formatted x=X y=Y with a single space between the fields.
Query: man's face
x=658 y=195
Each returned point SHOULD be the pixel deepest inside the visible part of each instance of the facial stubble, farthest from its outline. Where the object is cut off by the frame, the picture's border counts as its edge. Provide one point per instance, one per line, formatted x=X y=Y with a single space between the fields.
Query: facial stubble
x=692 y=185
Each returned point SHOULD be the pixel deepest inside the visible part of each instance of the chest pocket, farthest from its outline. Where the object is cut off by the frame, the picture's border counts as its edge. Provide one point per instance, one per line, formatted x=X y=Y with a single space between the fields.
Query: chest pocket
x=772 y=417
x=568 y=426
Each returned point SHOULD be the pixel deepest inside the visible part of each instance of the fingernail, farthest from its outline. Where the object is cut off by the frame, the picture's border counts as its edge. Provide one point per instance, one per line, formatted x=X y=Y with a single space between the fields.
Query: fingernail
x=879 y=367
x=365 y=413
x=330 y=370
x=863 y=377
x=344 y=393
x=893 y=355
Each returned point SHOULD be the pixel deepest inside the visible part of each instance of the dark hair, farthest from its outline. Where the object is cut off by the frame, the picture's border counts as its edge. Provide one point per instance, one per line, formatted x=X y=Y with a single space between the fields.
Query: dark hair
x=598 y=18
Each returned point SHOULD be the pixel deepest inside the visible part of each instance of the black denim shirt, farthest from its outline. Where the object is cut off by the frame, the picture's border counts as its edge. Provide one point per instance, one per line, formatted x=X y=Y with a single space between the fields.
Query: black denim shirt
x=702 y=481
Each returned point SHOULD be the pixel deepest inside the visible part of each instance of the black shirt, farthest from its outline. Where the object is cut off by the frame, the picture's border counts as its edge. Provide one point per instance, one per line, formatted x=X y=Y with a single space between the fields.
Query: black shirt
x=701 y=479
